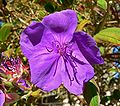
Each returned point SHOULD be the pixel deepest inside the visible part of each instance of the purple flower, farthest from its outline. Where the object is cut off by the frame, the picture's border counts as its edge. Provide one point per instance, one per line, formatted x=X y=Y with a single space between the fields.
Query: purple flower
x=23 y=84
x=2 y=98
x=13 y=68
x=59 y=55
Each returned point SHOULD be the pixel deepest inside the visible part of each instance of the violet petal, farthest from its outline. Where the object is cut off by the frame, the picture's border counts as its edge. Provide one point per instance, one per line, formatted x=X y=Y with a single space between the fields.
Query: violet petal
x=88 y=47
x=2 y=98
x=45 y=72
x=34 y=32
x=76 y=72
x=35 y=39
x=62 y=23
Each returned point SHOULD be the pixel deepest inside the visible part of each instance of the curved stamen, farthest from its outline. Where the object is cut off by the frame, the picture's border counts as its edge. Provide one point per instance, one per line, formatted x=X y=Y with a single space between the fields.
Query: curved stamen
x=71 y=79
x=56 y=66
x=74 y=66
x=48 y=49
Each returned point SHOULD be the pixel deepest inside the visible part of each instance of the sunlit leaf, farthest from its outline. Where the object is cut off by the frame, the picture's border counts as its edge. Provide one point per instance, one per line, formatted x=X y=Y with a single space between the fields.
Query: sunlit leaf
x=82 y=24
x=109 y=35
x=102 y=50
x=4 y=31
x=112 y=70
x=9 y=84
x=36 y=93
x=91 y=94
x=8 y=52
x=42 y=13
x=79 y=16
x=102 y=4
x=61 y=1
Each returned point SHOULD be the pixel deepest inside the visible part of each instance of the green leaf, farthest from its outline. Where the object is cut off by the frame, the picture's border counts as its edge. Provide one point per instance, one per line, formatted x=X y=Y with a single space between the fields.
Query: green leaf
x=49 y=7
x=80 y=17
x=94 y=101
x=8 y=84
x=8 y=53
x=112 y=70
x=102 y=50
x=42 y=13
x=82 y=24
x=102 y=4
x=109 y=35
x=61 y=1
x=4 y=31
x=91 y=94
x=36 y=93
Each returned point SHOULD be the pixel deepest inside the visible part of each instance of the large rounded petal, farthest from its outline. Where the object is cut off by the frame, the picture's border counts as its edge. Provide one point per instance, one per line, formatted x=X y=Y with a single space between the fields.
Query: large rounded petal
x=88 y=47
x=74 y=79
x=36 y=39
x=77 y=71
x=2 y=98
x=30 y=37
x=45 y=71
x=63 y=24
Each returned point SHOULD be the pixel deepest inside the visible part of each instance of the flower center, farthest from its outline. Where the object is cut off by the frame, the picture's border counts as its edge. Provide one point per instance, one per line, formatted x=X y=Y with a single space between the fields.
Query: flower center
x=61 y=49
x=66 y=51
x=58 y=48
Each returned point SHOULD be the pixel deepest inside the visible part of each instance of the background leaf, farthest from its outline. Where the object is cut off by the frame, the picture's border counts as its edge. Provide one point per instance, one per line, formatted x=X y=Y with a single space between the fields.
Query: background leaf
x=109 y=35
x=8 y=53
x=82 y=24
x=4 y=31
x=91 y=94
x=102 y=4
x=49 y=7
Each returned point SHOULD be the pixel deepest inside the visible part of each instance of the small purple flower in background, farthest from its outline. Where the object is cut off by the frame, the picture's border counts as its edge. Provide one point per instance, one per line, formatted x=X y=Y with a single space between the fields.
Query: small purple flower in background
x=59 y=55
x=12 y=68
x=2 y=98
x=23 y=84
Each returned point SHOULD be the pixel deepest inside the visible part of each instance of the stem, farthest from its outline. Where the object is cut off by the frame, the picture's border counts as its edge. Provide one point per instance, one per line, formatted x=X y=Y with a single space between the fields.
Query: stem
x=102 y=23
x=93 y=12
x=70 y=101
x=116 y=13
x=3 y=13
x=111 y=55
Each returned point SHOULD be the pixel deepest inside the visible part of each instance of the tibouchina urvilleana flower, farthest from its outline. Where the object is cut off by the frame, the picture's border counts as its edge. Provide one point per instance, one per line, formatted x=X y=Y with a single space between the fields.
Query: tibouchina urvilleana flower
x=59 y=55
